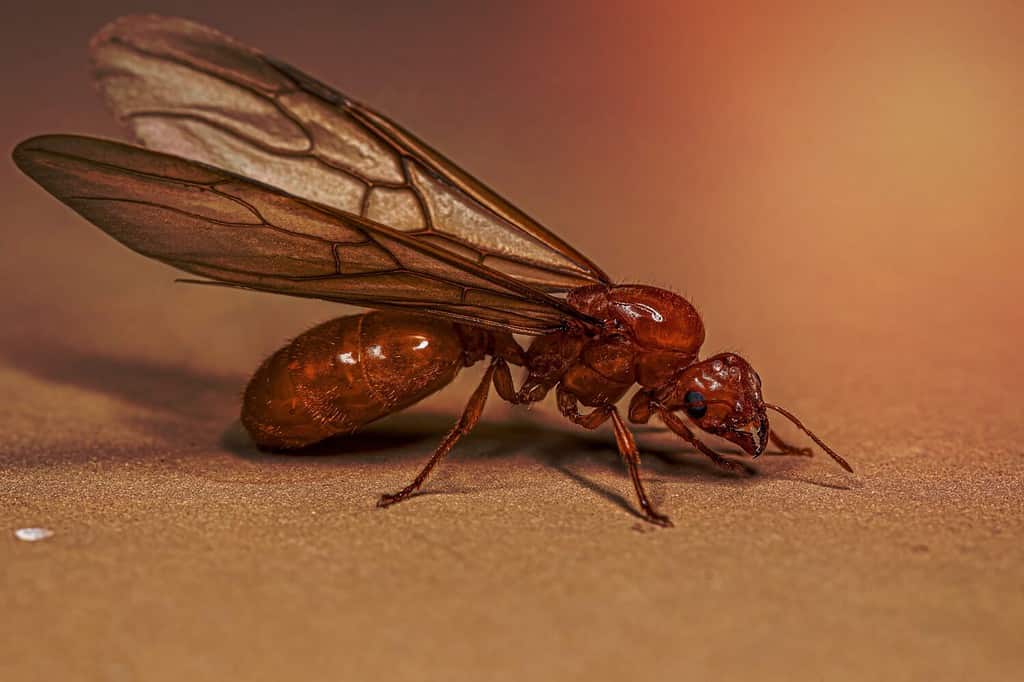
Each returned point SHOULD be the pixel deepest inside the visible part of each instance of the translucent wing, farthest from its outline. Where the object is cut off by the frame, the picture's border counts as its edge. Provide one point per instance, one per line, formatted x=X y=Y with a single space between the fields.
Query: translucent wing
x=234 y=230
x=189 y=90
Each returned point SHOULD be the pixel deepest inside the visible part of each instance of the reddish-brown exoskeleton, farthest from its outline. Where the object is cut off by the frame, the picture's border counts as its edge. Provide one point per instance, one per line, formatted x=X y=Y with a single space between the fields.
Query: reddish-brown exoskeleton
x=263 y=178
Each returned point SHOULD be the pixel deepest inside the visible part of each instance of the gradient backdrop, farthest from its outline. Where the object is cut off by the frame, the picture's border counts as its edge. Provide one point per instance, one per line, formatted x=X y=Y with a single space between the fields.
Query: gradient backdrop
x=783 y=167
x=837 y=189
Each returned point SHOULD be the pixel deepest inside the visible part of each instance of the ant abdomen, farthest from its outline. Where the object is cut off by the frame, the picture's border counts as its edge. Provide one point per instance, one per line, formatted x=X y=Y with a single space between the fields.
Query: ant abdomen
x=346 y=373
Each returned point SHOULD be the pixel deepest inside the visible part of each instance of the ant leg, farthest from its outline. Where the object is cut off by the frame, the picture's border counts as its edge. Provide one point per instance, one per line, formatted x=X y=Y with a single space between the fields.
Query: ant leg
x=627 y=448
x=785 y=448
x=526 y=394
x=567 y=403
x=469 y=418
x=503 y=382
x=679 y=428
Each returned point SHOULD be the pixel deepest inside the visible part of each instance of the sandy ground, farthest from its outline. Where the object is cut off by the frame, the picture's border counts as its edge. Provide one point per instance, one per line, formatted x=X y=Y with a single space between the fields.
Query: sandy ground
x=855 y=238
x=180 y=551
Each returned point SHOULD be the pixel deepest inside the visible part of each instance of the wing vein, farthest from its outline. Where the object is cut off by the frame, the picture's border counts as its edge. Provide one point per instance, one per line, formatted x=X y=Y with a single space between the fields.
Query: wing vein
x=143 y=65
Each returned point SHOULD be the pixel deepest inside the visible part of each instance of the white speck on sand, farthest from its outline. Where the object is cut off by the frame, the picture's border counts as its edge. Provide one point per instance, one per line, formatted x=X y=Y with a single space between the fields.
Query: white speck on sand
x=33 y=534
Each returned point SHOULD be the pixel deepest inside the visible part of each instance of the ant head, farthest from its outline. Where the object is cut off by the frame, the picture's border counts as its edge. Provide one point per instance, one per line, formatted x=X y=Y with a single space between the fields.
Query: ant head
x=721 y=395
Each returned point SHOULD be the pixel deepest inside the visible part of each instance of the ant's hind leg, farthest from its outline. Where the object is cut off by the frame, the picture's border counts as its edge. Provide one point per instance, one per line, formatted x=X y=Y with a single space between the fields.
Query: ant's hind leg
x=469 y=419
x=785 y=448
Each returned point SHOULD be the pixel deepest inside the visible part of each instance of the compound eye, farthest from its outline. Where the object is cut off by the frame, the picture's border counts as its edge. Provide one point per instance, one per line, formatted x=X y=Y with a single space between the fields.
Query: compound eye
x=693 y=403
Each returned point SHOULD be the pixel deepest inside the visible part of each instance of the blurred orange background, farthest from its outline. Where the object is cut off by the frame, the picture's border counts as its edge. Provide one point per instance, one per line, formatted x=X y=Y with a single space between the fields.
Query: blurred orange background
x=857 y=167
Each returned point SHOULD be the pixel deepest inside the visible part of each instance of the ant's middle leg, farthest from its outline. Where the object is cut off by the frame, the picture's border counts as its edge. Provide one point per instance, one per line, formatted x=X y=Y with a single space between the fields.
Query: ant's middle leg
x=568 y=405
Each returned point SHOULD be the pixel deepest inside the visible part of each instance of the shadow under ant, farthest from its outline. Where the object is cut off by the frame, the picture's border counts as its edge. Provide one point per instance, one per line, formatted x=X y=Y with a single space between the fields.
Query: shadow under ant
x=174 y=402
x=410 y=438
x=182 y=399
x=164 y=388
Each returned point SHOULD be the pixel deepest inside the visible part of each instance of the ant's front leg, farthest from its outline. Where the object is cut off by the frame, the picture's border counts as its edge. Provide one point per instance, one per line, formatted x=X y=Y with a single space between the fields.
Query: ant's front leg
x=568 y=405
x=643 y=406
x=679 y=428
